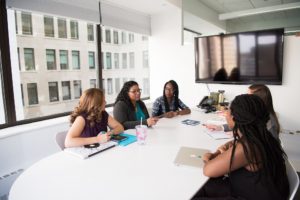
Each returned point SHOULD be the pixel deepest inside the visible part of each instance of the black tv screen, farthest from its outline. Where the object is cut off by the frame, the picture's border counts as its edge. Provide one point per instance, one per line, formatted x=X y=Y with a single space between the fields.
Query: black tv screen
x=240 y=58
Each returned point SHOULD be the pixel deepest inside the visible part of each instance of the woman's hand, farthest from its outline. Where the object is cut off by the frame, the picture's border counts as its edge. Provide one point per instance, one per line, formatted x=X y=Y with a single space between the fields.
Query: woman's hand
x=102 y=138
x=213 y=127
x=170 y=114
x=152 y=121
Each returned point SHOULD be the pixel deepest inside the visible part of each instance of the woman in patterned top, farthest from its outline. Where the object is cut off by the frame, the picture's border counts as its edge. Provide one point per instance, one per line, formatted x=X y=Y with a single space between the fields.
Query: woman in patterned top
x=169 y=105
x=89 y=119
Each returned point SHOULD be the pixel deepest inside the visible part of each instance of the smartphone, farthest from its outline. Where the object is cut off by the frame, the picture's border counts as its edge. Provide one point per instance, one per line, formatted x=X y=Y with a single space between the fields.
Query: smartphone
x=118 y=138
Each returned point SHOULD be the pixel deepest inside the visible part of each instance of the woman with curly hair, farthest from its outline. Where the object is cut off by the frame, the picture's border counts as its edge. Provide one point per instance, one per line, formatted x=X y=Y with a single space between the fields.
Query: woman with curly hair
x=169 y=105
x=254 y=166
x=129 y=109
x=89 y=119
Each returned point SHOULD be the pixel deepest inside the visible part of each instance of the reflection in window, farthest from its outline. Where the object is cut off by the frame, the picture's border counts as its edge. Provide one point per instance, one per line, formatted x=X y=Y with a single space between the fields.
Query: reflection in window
x=77 y=89
x=26 y=23
x=51 y=61
x=64 y=61
x=116 y=60
x=74 y=29
x=62 y=28
x=49 y=26
x=247 y=51
x=32 y=93
x=90 y=30
x=66 y=90
x=29 y=59
x=91 y=60
x=53 y=91
x=75 y=60
x=108 y=60
x=131 y=59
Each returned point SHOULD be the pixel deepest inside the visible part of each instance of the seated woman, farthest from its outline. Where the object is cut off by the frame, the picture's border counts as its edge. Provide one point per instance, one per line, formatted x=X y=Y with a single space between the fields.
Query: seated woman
x=264 y=93
x=129 y=109
x=169 y=105
x=89 y=119
x=255 y=163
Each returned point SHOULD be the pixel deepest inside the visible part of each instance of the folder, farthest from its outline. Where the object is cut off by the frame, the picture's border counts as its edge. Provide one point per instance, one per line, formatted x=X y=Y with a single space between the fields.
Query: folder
x=130 y=139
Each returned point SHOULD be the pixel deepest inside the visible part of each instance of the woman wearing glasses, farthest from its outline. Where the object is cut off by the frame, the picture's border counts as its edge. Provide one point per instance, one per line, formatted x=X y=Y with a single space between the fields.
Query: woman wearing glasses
x=169 y=105
x=129 y=109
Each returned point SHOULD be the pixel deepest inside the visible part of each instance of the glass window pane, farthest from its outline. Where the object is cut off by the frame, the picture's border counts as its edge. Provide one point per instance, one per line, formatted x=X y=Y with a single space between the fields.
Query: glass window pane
x=131 y=59
x=53 y=91
x=29 y=59
x=51 y=60
x=32 y=92
x=109 y=86
x=64 y=61
x=145 y=59
x=124 y=60
x=49 y=26
x=93 y=83
x=75 y=60
x=74 y=29
x=2 y=113
x=116 y=37
x=26 y=23
x=66 y=90
x=107 y=36
x=116 y=60
x=108 y=60
x=90 y=29
x=62 y=28
x=117 y=85
x=123 y=37
x=77 y=89
x=91 y=60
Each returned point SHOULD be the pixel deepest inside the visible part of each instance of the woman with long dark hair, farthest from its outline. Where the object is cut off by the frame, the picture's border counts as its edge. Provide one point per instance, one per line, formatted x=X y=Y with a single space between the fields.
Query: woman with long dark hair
x=129 y=109
x=169 y=105
x=255 y=163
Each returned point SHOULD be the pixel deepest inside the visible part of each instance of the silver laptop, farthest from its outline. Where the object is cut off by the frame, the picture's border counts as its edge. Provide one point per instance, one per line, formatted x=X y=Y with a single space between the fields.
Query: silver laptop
x=190 y=156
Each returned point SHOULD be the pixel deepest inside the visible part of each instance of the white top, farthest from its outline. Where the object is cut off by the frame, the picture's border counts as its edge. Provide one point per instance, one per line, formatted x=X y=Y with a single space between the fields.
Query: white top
x=131 y=172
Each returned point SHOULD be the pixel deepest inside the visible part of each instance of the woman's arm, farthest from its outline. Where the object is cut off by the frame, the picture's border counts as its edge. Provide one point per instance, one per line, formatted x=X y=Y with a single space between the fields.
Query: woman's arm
x=73 y=138
x=219 y=165
x=184 y=111
x=114 y=125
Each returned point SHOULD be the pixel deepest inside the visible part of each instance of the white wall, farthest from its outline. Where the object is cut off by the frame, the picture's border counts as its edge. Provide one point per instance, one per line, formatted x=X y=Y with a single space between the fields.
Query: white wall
x=170 y=60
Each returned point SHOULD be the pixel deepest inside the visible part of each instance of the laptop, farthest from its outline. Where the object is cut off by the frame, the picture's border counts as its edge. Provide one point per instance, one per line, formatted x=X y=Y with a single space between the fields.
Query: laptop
x=190 y=157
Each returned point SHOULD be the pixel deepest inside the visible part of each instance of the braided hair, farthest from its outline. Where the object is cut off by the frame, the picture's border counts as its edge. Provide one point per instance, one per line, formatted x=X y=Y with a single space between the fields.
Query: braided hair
x=264 y=93
x=123 y=95
x=175 y=93
x=261 y=149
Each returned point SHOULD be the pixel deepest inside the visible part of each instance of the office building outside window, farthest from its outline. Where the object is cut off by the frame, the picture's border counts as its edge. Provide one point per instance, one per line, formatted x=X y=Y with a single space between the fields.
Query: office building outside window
x=146 y=86
x=66 y=90
x=22 y=93
x=124 y=60
x=49 y=26
x=123 y=37
x=91 y=60
x=74 y=29
x=90 y=30
x=29 y=59
x=108 y=60
x=117 y=85
x=116 y=37
x=19 y=59
x=64 y=61
x=77 y=89
x=145 y=59
x=131 y=59
x=51 y=60
x=109 y=86
x=116 y=60
x=75 y=60
x=107 y=36
x=32 y=92
x=26 y=23
x=53 y=92
x=93 y=83
x=131 y=37
x=62 y=28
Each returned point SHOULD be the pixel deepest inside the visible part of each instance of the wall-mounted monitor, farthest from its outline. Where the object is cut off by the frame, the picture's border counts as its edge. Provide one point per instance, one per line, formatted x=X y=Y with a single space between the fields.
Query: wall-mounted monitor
x=240 y=58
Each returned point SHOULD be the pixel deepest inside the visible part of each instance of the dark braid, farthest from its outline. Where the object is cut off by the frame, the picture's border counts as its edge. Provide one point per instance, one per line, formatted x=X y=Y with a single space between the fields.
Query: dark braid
x=261 y=149
x=123 y=95
x=176 y=94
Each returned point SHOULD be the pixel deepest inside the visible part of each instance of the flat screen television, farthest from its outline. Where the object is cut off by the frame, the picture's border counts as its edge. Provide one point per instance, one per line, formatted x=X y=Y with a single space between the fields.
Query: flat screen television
x=240 y=58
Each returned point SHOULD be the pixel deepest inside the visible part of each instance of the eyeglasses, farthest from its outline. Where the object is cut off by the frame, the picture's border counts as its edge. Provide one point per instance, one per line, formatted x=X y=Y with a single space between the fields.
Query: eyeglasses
x=136 y=91
x=169 y=89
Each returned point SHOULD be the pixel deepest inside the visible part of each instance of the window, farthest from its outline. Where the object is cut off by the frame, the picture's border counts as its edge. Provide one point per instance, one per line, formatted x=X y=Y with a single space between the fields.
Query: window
x=2 y=111
x=93 y=83
x=49 y=26
x=91 y=60
x=26 y=23
x=116 y=37
x=16 y=22
x=74 y=29
x=62 y=28
x=124 y=80
x=77 y=89
x=29 y=59
x=107 y=36
x=117 y=85
x=66 y=90
x=19 y=59
x=53 y=91
x=109 y=86
x=22 y=94
x=123 y=38
x=64 y=61
x=124 y=60
x=116 y=60
x=145 y=59
x=90 y=30
x=108 y=60
x=51 y=61
x=131 y=38
x=131 y=59
x=32 y=93
x=144 y=38
x=103 y=85
x=75 y=60
x=102 y=60
x=146 y=86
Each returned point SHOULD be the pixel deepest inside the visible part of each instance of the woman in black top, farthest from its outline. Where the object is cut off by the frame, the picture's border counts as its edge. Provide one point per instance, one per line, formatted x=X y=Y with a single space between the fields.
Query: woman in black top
x=255 y=162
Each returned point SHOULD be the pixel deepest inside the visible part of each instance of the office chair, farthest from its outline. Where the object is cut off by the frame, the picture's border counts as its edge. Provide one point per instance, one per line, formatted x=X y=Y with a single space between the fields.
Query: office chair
x=60 y=139
x=293 y=179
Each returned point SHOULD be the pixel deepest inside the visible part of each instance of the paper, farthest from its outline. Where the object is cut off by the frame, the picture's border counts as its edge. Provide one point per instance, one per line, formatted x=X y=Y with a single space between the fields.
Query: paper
x=190 y=122
x=217 y=135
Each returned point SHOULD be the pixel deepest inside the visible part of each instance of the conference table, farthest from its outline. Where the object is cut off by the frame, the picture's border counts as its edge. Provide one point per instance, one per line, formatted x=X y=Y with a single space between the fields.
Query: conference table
x=130 y=172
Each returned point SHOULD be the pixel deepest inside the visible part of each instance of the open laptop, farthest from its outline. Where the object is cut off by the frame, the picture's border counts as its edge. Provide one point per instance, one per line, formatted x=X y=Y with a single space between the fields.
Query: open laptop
x=190 y=157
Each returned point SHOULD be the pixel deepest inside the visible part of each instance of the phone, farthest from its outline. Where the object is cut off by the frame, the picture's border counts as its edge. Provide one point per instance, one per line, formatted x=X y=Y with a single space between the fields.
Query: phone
x=118 y=138
x=206 y=101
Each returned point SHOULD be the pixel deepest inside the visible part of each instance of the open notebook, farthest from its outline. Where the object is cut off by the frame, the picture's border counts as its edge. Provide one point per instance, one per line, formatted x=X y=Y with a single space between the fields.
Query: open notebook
x=190 y=156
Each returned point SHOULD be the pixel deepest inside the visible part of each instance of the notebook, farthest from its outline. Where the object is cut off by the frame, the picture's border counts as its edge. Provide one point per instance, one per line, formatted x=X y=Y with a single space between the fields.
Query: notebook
x=129 y=139
x=190 y=122
x=190 y=156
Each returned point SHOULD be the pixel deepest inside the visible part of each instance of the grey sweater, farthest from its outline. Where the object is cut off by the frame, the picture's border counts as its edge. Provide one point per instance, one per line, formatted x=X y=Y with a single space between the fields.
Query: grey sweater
x=124 y=114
